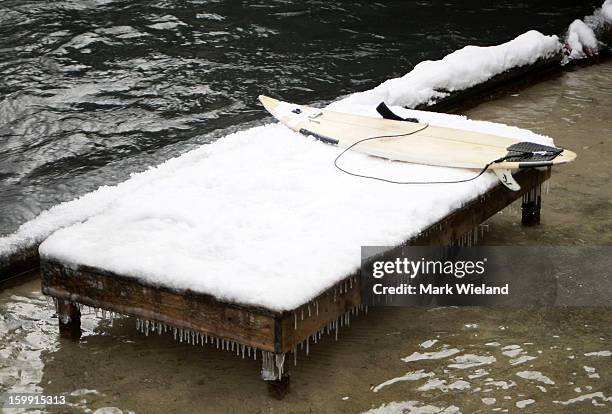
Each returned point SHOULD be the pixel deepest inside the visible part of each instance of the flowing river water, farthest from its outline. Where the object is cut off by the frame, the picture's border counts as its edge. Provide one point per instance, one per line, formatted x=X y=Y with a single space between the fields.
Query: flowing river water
x=93 y=90
x=468 y=359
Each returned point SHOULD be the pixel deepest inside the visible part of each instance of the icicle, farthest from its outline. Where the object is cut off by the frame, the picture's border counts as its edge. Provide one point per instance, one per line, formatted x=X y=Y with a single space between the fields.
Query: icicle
x=295 y=321
x=307 y=345
x=242 y=350
x=294 y=350
x=336 y=323
x=309 y=314
x=302 y=313
x=317 y=303
x=279 y=359
x=217 y=343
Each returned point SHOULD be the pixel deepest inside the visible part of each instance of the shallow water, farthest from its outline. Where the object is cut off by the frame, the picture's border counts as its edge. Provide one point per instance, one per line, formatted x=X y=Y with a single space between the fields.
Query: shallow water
x=91 y=91
x=457 y=359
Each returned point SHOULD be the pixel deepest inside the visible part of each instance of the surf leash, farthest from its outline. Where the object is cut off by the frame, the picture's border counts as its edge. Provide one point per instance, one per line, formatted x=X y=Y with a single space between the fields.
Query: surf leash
x=482 y=171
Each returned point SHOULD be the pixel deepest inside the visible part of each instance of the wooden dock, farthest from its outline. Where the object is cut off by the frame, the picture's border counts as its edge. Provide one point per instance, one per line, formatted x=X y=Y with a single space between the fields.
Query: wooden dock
x=262 y=333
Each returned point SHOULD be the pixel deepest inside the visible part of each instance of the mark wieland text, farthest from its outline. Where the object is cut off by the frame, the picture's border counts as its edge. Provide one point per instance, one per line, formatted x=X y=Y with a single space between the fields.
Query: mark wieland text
x=431 y=289
x=455 y=270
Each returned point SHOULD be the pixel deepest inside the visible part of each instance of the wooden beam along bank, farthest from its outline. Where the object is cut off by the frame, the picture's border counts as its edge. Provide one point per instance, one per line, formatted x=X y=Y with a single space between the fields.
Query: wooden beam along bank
x=256 y=332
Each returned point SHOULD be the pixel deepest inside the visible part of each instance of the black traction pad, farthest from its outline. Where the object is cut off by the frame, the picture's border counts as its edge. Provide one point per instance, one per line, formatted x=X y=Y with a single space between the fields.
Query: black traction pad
x=531 y=152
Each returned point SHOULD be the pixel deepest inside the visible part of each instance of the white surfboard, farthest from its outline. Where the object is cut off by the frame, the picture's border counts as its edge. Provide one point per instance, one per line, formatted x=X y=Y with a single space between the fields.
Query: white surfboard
x=418 y=143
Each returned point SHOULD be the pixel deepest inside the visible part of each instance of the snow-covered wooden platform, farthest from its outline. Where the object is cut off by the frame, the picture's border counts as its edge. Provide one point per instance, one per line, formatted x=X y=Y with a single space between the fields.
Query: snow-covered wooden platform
x=253 y=243
x=251 y=330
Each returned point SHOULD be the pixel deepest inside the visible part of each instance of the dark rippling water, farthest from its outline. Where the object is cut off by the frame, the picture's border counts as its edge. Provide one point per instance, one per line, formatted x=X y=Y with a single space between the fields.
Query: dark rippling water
x=91 y=91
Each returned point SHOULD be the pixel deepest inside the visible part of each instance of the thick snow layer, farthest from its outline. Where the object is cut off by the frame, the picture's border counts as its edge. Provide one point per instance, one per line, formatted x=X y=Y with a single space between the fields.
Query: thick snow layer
x=606 y=11
x=581 y=40
x=261 y=216
x=459 y=70
x=601 y=19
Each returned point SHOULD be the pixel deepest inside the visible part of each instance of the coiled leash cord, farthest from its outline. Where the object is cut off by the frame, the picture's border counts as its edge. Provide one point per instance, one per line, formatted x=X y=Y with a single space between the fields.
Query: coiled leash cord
x=485 y=168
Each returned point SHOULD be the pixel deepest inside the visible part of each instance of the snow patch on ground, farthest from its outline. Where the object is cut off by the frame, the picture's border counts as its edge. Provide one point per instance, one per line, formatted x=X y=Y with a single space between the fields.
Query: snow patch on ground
x=412 y=407
x=512 y=350
x=410 y=376
x=471 y=360
x=521 y=359
x=535 y=375
x=591 y=372
x=524 y=403
x=599 y=353
x=504 y=385
x=441 y=385
x=478 y=373
x=593 y=397
x=428 y=344
x=488 y=401
x=417 y=356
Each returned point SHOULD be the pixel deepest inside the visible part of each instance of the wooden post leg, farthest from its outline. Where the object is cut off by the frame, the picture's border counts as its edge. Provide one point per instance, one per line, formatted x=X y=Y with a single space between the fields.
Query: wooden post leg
x=532 y=204
x=69 y=317
x=280 y=387
x=273 y=372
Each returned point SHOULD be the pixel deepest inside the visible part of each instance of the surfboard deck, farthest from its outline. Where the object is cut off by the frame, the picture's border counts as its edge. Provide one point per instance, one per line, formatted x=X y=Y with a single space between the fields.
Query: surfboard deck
x=417 y=142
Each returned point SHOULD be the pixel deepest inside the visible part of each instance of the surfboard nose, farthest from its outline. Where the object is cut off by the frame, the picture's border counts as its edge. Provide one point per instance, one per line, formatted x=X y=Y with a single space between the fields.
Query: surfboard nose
x=269 y=103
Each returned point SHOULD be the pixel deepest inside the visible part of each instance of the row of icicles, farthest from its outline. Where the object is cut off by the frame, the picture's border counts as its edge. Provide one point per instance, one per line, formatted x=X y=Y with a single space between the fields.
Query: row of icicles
x=193 y=337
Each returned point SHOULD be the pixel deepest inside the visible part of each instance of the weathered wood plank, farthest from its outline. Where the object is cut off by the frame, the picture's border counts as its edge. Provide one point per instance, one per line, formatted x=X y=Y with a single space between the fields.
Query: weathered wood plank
x=326 y=308
x=450 y=229
x=19 y=263
x=254 y=327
